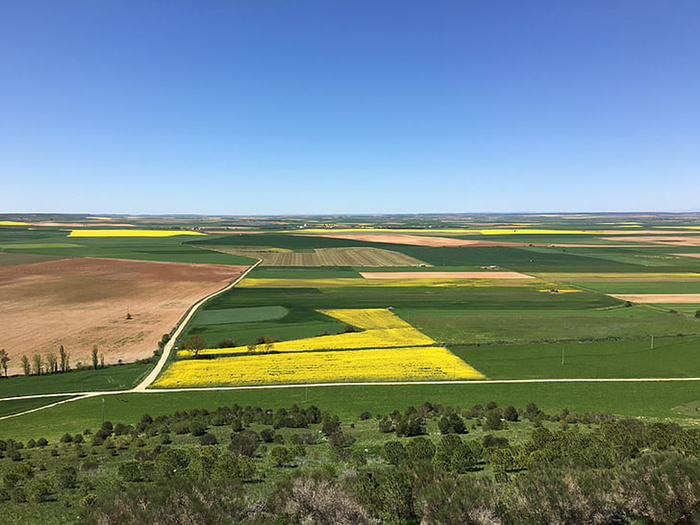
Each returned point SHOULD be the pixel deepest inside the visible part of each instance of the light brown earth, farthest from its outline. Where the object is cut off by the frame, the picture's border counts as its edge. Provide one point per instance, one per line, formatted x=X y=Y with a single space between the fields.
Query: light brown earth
x=438 y=242
x=415 y=240
x=445 y=275
x=351 y=256
x=687 y=254
x=678 y=298
x=666 y=240
x=83 y=302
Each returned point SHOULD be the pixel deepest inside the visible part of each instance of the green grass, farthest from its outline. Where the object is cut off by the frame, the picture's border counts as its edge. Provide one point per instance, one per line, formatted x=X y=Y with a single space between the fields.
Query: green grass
x=643 y=287
x=655 y=400
x=165 y=249
x=241 y=315
x=284 y=272
x=298 y=323
x=510 y=326
x=21 y=405
x=111 y=378
x=671 y=357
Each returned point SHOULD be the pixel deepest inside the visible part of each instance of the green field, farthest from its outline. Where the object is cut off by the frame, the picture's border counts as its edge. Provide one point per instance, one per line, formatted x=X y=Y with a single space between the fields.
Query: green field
x=598 y=335
x=118 y=377
x=654 y=400
x=670 y=357
x=22 y=405
x=526 y=325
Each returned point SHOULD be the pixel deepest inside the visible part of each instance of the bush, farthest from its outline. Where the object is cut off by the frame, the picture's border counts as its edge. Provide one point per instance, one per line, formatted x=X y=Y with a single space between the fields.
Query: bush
x=244 y=443
x=208 y=439
x=394 y=452
x=280 y=456
x=267 y=435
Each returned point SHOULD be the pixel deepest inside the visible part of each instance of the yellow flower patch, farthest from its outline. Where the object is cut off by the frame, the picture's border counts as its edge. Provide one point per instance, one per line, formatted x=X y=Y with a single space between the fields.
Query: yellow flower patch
x=395 y=364
x=130 y=233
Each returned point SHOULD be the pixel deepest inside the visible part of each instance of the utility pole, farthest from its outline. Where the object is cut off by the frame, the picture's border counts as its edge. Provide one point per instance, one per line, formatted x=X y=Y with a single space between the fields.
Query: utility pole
x=306 y=394
x=562 y=357
x=103 y=410
x=652 y=342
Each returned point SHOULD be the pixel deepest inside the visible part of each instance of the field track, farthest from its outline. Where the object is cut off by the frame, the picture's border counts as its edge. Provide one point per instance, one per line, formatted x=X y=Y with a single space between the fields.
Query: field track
x=84 y=395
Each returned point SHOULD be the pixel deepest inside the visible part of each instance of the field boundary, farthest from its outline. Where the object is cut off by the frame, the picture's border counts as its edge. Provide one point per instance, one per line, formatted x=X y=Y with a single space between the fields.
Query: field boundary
x=167 y=349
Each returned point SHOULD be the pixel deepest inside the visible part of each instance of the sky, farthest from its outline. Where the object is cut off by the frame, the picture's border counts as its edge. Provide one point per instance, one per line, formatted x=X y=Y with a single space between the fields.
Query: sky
x=259 y=107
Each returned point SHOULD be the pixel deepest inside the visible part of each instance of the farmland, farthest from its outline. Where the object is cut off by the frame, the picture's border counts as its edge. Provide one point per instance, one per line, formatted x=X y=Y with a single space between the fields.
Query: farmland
x=494 y=317
x=80 y=303
x=559 y=299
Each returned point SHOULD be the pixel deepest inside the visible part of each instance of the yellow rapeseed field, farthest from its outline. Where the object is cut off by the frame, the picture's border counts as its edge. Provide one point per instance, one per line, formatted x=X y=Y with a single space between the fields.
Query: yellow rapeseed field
x=382 y=329
x=13 y=223
x=395 y=364
x=368 y=318
x=388 y=349
x=130 y=233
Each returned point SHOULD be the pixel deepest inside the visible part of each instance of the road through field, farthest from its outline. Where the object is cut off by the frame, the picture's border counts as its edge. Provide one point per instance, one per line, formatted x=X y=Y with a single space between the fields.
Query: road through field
x=141 y=387
x=84 y=395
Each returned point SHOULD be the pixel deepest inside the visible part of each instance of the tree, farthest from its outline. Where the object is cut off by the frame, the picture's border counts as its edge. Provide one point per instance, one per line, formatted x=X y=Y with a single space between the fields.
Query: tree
x=25 y=365
x=64 y=358
x=94 y=357
x=4 y=358
x=195 y=343
x=102 y=360
x=51 y=363
x=37 y=364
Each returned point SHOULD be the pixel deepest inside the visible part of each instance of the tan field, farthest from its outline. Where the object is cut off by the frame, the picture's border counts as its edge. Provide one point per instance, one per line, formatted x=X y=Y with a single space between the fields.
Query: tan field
x=445 y=275
x=415 y=240
x=687 y=255
x=667 y=240
x=353 y=256
x=83 y=302
x=671 y=298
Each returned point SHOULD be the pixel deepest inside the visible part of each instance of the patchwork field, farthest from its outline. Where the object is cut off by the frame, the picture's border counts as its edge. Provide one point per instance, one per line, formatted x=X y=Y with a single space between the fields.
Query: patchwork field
x=386 y=349
x=352 y=256
x=79 y=303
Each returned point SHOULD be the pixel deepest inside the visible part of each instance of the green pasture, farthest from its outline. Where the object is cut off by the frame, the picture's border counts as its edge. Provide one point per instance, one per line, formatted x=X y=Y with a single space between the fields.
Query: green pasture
x=11 y=259
x=21 y=405
x=530 y=325
x=164 y=249
x=298 y=323
x=654 y=400
x=294 y=272
x=683 y=308
x=241 y=315
x=670 y=357
x=643 y=287
x=117 y=377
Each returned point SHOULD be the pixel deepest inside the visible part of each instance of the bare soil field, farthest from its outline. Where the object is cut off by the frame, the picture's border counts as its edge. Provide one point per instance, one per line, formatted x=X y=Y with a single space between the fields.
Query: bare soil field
x=79 y=303
x=687 y=255
x=353 y=256
x=445 y=275
x=678 y=298
x=415 y=240
x=438 y=242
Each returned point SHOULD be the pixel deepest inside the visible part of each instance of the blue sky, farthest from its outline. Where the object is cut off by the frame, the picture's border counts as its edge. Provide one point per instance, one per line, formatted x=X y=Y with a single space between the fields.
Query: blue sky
x=332 y=106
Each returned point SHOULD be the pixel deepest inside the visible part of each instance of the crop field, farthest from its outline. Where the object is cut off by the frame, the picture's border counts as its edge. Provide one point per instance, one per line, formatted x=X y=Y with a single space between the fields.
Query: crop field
x=130 y=233
x=351 y=256
x=404 y=364
x=79 y=303
x=577 y=274
x=387 y=348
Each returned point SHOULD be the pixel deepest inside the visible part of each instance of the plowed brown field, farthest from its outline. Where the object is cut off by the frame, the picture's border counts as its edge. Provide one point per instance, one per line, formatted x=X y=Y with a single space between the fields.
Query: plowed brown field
x=83 y=302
